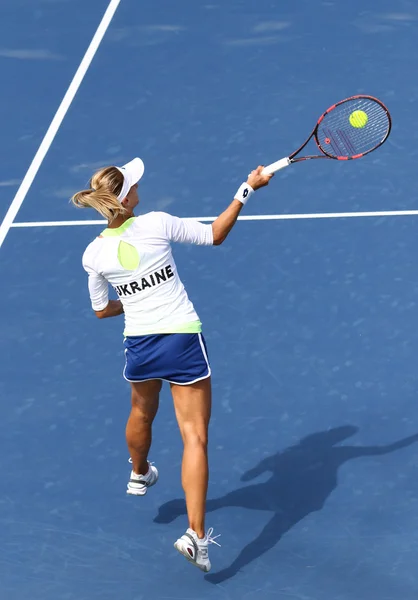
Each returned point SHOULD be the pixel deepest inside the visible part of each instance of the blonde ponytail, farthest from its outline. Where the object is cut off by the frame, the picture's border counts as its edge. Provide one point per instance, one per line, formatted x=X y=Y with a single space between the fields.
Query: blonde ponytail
x=105 y=185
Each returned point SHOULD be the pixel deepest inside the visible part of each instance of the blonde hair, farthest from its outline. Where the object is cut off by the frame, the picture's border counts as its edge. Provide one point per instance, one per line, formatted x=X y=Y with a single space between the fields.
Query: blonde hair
x=105 y=186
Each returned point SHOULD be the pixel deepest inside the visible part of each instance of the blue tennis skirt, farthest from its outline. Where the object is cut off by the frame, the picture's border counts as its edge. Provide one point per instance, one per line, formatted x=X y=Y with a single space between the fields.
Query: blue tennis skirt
x=179 y=358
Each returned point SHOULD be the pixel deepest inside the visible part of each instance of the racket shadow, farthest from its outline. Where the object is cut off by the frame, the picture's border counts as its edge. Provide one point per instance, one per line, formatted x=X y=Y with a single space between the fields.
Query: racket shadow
x=302 y=478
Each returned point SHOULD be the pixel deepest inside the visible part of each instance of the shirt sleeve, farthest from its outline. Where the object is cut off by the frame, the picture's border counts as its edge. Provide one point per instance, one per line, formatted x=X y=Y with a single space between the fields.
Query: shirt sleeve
x=186 y=231
x=98 y=287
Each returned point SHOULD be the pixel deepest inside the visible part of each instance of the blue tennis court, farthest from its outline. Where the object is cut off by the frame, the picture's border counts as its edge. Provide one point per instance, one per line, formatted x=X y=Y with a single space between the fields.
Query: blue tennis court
x=311 y=323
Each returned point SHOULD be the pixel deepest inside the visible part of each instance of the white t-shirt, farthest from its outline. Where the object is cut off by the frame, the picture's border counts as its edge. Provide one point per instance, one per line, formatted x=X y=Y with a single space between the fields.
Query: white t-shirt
x=136 y=259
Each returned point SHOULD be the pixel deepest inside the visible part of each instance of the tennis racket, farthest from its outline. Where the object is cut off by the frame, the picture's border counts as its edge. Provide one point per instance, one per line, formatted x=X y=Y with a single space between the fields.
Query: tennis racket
x=349 y=129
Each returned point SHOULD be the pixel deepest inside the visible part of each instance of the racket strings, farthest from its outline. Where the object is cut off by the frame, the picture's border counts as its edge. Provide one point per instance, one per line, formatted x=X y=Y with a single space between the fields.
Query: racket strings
x=338 y=137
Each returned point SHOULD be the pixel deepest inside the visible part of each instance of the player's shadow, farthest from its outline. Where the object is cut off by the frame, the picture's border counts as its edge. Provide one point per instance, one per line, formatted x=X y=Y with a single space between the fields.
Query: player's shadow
x=302 y=478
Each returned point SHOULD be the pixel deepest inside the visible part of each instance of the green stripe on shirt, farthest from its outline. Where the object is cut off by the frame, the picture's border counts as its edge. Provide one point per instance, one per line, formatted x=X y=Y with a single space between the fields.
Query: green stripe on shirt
x=115 y=231
x=191 y=327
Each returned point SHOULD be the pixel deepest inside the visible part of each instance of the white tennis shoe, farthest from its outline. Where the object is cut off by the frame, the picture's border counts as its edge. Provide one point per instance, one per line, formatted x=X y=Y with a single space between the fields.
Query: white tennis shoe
x=138 y=484
x=196 y=549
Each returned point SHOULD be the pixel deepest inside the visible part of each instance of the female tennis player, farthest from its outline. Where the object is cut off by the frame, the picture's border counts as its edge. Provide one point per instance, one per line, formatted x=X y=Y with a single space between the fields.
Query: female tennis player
x=163 y=339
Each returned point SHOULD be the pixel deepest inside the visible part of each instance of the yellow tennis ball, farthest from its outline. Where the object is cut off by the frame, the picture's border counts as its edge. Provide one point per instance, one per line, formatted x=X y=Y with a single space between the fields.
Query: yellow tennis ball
x=358 y=118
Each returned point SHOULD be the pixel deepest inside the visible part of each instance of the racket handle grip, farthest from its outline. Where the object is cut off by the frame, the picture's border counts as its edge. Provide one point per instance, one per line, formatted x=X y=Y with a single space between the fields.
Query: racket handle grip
x=276 y=166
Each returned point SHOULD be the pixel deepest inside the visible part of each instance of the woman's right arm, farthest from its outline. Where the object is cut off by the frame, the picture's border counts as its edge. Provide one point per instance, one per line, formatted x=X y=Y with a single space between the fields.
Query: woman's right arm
x=190 y=231
x=226 y=220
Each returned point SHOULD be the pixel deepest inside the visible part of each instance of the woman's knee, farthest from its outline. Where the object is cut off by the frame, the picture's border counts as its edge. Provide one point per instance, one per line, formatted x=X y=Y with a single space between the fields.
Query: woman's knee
x=141 y=415
x=195 y=434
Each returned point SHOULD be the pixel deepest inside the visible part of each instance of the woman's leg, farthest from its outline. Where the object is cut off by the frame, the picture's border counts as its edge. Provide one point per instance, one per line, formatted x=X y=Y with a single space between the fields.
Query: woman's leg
x=145 y=399
x=192 y=404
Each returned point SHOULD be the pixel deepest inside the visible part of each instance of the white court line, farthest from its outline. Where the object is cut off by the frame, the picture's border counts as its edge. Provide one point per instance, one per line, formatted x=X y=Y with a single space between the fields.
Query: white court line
x=57 y=120
x=343 y=215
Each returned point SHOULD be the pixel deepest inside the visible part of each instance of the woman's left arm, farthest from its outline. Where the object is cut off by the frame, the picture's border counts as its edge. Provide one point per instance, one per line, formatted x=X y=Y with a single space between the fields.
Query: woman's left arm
x=99 y=295
x=113 y=309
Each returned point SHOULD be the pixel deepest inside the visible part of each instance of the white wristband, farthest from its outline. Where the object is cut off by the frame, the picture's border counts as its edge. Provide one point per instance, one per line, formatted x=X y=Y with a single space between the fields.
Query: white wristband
x=243 y=193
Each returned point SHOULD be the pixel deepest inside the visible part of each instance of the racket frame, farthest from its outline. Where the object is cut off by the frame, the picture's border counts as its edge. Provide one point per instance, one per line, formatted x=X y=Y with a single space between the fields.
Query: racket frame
x=285 y=162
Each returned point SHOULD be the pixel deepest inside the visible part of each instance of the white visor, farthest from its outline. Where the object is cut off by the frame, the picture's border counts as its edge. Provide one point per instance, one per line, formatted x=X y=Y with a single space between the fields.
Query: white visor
x=132 y=173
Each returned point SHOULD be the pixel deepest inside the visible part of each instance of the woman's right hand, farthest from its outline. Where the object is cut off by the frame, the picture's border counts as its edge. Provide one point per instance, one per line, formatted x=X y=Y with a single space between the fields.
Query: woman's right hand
x=256 y=180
